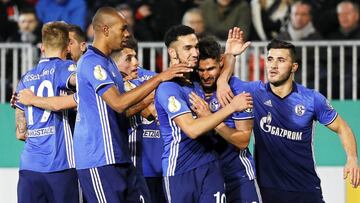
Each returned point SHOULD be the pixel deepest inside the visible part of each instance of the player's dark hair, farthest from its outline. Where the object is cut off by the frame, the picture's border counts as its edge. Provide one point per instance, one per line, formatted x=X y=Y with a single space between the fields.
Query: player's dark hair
x=279 y=44
x=175 y=31
x=80 y=35
x=131 y=44
x=209 y=48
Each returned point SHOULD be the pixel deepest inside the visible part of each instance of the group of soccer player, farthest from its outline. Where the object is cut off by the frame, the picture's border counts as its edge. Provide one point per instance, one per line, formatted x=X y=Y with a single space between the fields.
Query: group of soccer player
x=178 y=136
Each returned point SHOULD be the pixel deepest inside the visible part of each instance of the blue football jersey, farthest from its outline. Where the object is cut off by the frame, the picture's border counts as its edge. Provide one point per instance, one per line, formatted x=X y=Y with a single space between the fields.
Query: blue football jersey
x=234 y=162
x=284 y=129
x=100 y=136
x=152 y=143
x=49 y=145
x=181 y=153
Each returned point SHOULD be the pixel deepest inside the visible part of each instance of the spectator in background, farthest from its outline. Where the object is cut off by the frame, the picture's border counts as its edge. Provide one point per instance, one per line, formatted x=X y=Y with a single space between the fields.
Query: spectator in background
x=220 y=15
x=29 y=28
x=268 y=16
x=194 y=19
x=70 y=11
x=348 y=17
x=9 y=14
x=300 y=26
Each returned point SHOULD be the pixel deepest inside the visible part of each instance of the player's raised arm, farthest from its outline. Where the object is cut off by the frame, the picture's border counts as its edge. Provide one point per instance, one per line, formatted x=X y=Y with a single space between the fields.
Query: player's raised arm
x=235 y=45
x=347 y=138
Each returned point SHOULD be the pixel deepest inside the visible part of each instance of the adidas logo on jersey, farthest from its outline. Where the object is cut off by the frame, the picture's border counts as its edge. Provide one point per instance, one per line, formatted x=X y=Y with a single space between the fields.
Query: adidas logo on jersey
x=268 y=103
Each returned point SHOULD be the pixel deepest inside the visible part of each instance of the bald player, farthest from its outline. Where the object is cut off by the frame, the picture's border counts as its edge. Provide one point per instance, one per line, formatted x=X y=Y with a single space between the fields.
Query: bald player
x=102 y=157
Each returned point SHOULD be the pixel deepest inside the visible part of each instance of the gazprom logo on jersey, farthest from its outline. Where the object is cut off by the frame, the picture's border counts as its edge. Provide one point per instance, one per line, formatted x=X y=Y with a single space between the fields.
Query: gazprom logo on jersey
x=38 y=76
x=41 y=132
x=265 y=125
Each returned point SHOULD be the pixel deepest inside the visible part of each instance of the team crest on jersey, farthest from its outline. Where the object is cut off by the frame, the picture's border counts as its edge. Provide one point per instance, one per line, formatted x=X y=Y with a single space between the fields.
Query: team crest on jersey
x=300 y=109
x=72 y=67
x=248 y=110
x=129 y=86
x=99 y=73
x=173 y=105
x=329 y=105
x=214 y=105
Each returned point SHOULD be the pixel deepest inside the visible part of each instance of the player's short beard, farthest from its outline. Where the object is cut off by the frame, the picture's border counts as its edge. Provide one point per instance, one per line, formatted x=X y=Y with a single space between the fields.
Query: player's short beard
x=282 y=81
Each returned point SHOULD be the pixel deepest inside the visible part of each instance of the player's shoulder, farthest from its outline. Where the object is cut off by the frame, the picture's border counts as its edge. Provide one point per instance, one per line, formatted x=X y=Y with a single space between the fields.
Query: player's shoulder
x=168 y=85
x=307 y=92
x=256 y=86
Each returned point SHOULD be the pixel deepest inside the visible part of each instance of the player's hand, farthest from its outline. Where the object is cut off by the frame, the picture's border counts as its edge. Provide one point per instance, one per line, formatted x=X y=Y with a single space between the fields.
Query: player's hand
x=198 y=105
x=235 y=44
x=223 y=93
x=177 y=70
x=13 y=100
x=352 y=171
x=25 y=97
x=242 y=102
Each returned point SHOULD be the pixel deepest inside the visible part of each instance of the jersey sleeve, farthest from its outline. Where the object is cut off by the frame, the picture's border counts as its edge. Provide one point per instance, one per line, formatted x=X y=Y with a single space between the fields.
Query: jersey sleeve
x=172 y=100
x=145 y=75
x=64 y=73
x=324 y=112
x=20 y=87
x=238 y=87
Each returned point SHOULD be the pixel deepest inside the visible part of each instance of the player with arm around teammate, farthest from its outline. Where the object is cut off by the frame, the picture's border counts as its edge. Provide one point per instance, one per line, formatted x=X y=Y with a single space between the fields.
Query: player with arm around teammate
x=233 y=135
x=190 y=169
x=47 y=167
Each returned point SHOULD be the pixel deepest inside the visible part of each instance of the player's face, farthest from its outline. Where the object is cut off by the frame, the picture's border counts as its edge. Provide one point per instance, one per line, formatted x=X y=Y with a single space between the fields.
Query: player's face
x=279 y=66
x=118 y=34
x=209 y=71
x=128 y=63
x=76 y=47
x=187 y=50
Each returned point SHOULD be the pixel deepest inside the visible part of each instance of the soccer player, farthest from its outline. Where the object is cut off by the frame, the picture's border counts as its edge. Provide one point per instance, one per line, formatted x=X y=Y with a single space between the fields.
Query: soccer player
x=47 y=167
x=102 y=157
x=190 y=169
x=285 y=113
x=77 y=44
x=127 y=63
x=235 y=158
x=145 y=142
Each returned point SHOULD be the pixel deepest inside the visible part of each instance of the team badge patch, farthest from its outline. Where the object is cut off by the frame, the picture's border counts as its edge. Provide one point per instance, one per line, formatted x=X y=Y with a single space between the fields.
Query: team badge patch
x=173 y=105
x=72 y=67
x=248 y=110
x=214 y=105
x=128 y=86
x=300 y=109
x=99 y=73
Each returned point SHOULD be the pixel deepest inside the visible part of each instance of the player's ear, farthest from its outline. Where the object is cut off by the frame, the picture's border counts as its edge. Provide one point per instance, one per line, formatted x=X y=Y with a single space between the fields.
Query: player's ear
x=105 y=30
x=42 y=48
x=172 y=53
x=294 y=67
x=83 y=46
x=221 y=61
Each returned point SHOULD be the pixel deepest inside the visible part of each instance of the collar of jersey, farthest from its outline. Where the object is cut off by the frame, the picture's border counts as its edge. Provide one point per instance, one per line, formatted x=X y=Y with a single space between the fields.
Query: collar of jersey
x=294 y=89
x=97 y=51
x=48 y=59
